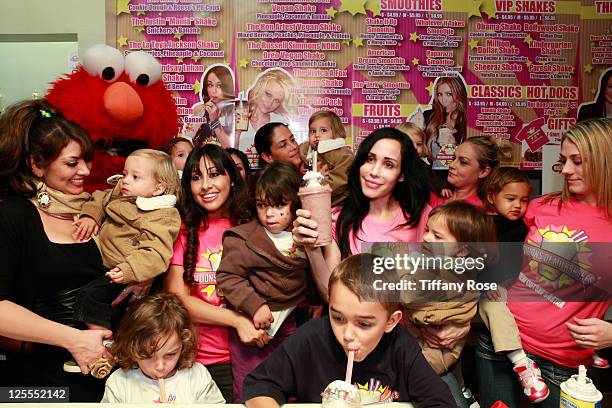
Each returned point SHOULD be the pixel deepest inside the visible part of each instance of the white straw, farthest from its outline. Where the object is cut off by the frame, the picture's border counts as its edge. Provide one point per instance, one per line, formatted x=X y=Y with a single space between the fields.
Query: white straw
x=349 y=366
x=162 y=390
x=314 y=161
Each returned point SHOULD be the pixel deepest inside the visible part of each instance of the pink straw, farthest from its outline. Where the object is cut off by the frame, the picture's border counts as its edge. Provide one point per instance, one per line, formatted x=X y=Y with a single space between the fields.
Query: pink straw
x=349 y=366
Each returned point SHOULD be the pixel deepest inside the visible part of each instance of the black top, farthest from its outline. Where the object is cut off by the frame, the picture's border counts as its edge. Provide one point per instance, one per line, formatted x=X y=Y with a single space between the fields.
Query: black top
x=510 y=236
x=37 y=273
x=312 y=358
x=509 y=231
x=43 y=277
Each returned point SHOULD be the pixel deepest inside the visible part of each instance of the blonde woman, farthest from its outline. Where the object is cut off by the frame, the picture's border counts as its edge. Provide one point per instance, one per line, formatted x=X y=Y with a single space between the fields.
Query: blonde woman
x=271 y=99
x=560 y=338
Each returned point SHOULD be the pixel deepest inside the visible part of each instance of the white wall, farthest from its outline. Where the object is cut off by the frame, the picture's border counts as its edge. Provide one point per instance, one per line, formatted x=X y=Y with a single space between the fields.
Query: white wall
x=39 y=40
x=86 y=18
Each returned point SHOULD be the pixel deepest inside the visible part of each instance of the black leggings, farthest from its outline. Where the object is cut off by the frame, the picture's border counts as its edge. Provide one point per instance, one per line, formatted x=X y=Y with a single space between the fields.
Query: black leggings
x=222 y=375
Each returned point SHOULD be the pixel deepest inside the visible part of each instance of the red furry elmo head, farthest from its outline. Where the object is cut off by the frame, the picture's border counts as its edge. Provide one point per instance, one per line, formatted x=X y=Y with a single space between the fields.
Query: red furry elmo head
x=121 y=102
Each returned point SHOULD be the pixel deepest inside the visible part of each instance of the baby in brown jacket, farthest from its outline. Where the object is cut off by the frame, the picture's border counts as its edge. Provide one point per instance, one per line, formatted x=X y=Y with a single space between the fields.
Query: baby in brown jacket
x=263 y=273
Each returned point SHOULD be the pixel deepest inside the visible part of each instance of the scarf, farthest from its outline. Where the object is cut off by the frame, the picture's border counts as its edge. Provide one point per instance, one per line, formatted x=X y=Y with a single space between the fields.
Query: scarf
x=58 y=204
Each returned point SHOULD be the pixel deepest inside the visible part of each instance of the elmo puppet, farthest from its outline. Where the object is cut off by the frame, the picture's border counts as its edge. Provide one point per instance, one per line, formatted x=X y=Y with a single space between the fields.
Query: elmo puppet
x=121 y=102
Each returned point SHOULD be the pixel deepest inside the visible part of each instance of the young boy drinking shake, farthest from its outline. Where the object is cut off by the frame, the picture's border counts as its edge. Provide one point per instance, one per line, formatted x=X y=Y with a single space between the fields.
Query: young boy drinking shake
x=388 y=363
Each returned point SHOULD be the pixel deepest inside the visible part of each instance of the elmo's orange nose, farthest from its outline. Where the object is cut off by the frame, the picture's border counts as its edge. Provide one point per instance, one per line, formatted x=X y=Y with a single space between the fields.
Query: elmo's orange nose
x=122 y=102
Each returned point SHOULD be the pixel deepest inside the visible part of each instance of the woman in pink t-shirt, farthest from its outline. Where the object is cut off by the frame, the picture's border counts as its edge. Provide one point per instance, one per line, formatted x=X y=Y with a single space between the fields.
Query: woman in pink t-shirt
x=474 y=160
x=212 y=190
x=388 y=190
x=559 y=312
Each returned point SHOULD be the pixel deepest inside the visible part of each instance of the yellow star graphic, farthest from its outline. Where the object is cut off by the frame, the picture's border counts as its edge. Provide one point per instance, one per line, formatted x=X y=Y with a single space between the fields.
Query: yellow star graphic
x=179 y=60
x=430 y=88
x=588 y=68
x=488 y=7
x=195 y=58
x=414 y=37
x=528 y=63
x=474 y=8
x=331 y=12
x=221 y=41
x=528 y=39
x=353 y=6
x=373 y=6
x=140 y=29
x=415 y=61
x=197 y=87
x=141 y=13
x=565 y=110
x=122 y=41
x=358 y=42
x=473 y=43
x=347 y=41
x=209 y=290
x=122 y=6
x=178 y=36
x=243 y=63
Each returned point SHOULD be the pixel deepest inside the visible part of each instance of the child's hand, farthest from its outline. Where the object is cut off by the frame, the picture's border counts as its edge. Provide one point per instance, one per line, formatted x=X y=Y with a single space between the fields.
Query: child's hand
x=115 y=275
x=262 y=319
x=323 y=168
x=446 y=193
x=85 y=227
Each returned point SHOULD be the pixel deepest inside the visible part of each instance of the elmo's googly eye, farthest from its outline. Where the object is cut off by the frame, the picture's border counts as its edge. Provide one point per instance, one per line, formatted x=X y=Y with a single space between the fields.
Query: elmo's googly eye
x=103 y=61
x=142 y=68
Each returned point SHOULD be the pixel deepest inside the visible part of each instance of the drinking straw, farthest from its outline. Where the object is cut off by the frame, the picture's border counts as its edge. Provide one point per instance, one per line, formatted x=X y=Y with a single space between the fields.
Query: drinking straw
x=314 y=161
x=349 y=366
x=162 y=391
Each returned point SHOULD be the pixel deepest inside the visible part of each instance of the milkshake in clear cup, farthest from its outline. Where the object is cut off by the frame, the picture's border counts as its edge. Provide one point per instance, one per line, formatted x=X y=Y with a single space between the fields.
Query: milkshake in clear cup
x=579 y=392
x=340 y=394
x=316 y=198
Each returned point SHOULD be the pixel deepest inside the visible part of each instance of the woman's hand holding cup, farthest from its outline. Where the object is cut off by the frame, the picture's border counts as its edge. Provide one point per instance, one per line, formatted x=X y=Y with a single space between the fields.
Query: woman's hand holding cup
x=304 y=229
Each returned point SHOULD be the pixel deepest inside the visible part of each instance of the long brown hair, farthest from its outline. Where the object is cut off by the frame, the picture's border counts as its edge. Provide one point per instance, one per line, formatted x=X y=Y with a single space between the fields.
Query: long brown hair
x=34 y=130
x=148 y=324
x=195 y=217
x=439 y=115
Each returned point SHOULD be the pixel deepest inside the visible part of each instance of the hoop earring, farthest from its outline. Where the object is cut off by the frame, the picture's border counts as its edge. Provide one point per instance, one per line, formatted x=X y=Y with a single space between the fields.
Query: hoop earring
x=42 y=197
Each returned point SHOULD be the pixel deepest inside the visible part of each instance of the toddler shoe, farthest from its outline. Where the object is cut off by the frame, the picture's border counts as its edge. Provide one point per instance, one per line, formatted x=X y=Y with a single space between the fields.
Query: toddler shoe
x=600 y=362
x=531 y=380
x=100 y=369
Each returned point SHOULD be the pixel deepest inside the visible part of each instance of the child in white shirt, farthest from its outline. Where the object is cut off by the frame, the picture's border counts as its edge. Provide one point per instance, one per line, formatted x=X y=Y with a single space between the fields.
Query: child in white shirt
x=155 y=347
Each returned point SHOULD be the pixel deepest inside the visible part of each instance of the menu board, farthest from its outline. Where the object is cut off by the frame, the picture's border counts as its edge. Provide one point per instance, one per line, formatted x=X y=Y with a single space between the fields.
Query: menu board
x=521 y=71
